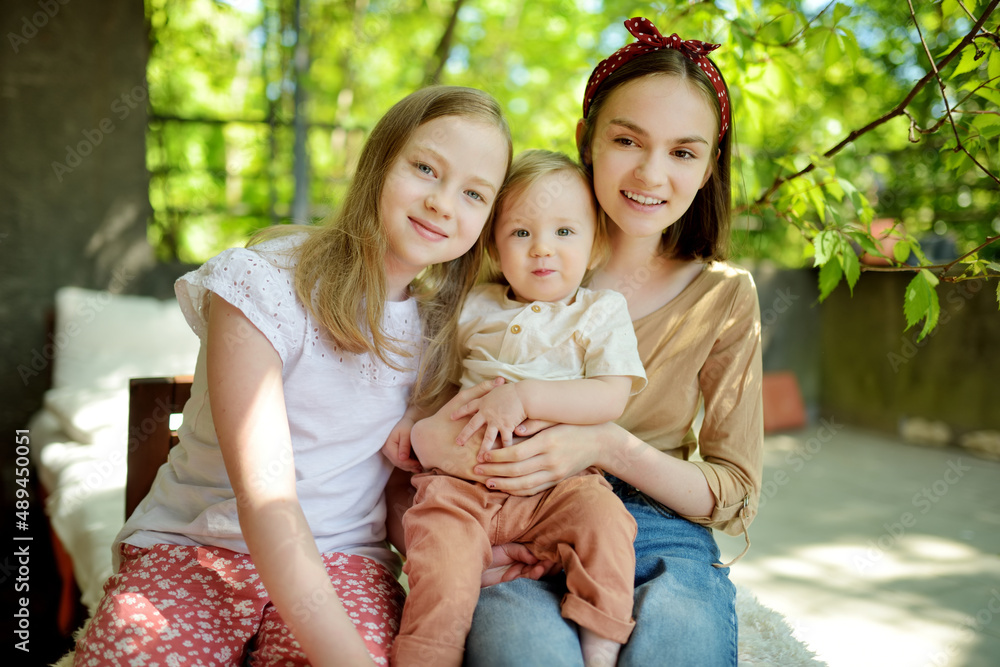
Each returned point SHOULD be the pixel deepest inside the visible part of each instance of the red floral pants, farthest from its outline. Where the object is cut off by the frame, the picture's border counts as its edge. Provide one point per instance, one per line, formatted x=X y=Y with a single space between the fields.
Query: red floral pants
x=181 y=605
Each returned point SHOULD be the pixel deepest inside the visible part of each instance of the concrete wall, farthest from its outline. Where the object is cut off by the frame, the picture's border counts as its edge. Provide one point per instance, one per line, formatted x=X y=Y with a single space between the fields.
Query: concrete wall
x=874 y=373
x=791 y=322
x=73 y=181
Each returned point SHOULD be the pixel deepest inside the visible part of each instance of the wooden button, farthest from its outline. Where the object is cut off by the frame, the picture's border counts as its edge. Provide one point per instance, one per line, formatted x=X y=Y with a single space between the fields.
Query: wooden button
x=536 y=308
x=515 y=329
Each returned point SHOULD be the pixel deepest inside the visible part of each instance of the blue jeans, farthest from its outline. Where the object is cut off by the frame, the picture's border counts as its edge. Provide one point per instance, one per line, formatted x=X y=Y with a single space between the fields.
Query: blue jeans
x=685 y=609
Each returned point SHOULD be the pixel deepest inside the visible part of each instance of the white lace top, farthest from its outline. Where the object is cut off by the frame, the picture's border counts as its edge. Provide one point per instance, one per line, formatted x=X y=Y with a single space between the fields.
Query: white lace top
x=340 y=406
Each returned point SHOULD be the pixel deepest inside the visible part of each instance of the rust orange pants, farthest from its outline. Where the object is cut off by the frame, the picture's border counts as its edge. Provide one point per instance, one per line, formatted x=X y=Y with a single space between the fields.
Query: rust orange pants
x=451 y=528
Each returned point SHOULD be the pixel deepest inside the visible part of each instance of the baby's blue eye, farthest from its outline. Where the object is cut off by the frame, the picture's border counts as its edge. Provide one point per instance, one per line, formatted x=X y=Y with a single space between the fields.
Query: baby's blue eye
x=475 y=195
x=521 y=233
x=424 y=168
x=563 y=231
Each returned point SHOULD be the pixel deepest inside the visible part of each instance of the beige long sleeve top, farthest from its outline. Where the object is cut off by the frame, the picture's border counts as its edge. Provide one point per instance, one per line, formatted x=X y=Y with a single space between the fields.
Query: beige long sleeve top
x=706 y=343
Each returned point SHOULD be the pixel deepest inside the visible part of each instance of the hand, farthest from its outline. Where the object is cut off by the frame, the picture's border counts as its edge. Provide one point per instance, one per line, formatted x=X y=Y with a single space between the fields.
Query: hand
x=514 y=560
x=433 y=438
x=397 y=447
x=530 y=427
x=549 y=457
x=500 y=411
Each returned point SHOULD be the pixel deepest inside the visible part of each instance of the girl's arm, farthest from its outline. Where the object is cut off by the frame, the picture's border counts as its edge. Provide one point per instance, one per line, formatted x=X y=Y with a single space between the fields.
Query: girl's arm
x=584 y=401
x=248 y=407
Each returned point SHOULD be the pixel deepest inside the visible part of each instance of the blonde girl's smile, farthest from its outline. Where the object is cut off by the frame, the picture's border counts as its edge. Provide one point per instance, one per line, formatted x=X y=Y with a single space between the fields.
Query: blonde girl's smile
x=438 y=194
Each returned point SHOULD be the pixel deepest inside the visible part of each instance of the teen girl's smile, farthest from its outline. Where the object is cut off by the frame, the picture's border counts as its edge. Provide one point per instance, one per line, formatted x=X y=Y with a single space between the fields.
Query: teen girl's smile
x=438 y=194
x=652 y=151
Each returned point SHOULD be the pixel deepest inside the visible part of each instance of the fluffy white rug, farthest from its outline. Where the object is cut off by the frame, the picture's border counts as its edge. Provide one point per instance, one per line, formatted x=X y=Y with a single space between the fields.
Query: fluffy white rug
x=765 y=637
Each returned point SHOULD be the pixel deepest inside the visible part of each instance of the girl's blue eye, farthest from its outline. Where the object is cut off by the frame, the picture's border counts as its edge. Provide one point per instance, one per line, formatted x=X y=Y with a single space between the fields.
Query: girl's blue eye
x=521 y=233
x=475 y=195
x=424 y=168
x=563 y=231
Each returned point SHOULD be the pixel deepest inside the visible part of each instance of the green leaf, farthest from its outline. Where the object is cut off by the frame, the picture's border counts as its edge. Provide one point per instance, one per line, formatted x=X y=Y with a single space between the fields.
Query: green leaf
x=951 y=47
x=852 y=267
x=987 y=124
x=953 y=159
x=950 y=7
x=815 y=195
x=780 y=30
x=993 y=68
x=832 y=51
x=865 y=241
x=840 y=10
x=901 y=252
x=829 y=275
x=967 y=63
x=814 y=38
x=921 y=302
x=826 y=246
x=919 y=253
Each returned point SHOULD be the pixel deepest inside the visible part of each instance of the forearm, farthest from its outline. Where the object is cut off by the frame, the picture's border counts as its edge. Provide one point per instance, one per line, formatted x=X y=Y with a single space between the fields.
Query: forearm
x=584 y=401
x=433 y=441
x=293 y=573
x=678 y=484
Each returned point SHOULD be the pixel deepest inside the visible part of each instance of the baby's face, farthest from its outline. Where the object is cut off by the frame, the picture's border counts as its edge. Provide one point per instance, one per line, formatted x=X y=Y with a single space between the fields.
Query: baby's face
x=544 y=237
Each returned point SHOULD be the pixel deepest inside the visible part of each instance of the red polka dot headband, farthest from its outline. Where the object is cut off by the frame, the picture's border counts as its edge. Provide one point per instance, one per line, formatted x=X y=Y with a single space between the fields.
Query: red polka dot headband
x=650 y=39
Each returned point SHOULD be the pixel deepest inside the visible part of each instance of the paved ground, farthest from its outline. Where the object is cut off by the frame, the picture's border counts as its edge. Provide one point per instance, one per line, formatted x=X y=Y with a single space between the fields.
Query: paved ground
x=878 y=552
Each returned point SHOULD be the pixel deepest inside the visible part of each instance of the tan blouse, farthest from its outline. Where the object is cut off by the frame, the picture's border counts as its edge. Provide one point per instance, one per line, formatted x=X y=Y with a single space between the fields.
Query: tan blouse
x=706 y=343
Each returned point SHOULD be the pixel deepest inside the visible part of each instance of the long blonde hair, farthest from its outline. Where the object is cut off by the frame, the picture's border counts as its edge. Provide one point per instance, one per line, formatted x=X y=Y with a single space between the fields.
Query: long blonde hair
x=341 y=275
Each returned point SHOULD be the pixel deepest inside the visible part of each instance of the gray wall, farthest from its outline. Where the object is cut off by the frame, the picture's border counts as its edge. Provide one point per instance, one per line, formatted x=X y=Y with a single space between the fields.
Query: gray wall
x=73 y=181
x=874 y=373
x=791 y=322
x=855 y=361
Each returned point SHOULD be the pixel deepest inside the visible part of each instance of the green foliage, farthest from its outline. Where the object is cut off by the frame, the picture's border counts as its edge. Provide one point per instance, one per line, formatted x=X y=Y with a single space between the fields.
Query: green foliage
x=825 y=143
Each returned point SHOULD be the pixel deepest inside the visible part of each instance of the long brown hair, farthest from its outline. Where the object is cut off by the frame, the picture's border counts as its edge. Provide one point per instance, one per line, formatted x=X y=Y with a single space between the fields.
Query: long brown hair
x=341 y=275
x=702 y=232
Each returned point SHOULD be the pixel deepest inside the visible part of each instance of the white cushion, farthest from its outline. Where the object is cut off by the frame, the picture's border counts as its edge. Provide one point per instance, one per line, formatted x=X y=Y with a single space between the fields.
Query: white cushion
x=103 y=339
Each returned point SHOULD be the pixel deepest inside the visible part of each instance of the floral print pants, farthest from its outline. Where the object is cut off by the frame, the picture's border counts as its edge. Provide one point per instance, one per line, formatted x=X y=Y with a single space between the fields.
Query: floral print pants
x=183 y=605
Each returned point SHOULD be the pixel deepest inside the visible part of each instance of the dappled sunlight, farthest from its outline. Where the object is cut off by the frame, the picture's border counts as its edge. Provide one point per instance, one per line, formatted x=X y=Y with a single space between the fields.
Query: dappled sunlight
x=877 y=552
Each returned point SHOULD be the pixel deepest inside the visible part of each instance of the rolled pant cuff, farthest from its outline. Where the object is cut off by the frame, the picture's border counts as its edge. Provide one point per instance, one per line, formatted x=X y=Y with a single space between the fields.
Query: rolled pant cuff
x=590 y=617
x=410 y=650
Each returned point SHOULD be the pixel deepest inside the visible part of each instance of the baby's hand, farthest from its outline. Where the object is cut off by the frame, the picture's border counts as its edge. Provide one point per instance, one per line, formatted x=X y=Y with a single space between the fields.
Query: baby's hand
x=397 y=447
x=500 y=411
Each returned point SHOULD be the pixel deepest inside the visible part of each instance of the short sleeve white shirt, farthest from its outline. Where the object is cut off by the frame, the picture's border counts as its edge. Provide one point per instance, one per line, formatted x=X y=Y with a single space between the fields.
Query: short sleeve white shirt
x=341 y=407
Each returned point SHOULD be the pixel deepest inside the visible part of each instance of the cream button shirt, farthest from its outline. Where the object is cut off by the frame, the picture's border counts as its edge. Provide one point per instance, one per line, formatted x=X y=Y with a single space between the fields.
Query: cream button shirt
x=589 y=337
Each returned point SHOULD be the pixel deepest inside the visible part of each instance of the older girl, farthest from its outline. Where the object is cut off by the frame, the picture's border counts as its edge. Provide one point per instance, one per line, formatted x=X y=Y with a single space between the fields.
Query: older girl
x=263 y=536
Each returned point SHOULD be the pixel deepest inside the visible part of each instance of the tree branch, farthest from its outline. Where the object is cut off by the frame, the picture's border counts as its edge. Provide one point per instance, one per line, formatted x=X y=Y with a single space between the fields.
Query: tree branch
x=444 y=46
x=982 y=245
x=898 y=110
x=959 y=146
